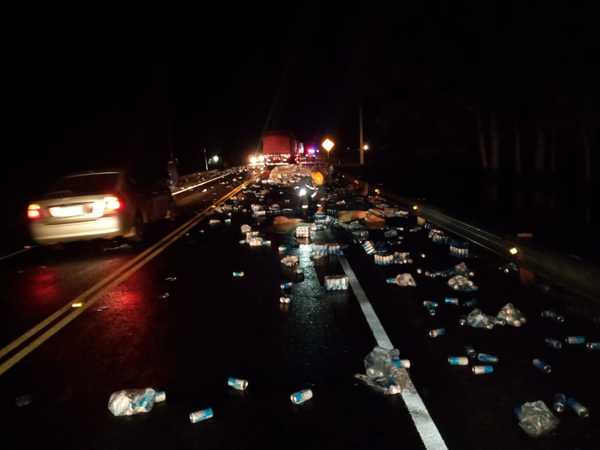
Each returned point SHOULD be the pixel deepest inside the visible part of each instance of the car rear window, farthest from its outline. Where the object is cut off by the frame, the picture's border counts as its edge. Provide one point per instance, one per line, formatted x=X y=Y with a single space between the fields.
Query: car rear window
x=96 y=183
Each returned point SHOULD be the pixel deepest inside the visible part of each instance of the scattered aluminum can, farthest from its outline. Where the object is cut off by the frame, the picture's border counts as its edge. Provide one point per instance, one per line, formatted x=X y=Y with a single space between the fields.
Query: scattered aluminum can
x=577 y=407
x=541 y=365
x=437 y=332
x=401 y=363
x=203 y=414
x=302 y=396
x=486 y=358
x=237 y=383
x=481 y=370
x=553 y=343
x=458 y=360
x=336 y=282
x=559 y=403
x=575 y=340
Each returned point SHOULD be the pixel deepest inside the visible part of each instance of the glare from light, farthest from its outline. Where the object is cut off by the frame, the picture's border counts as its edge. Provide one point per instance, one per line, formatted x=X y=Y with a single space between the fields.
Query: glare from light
x=377 y=191
x=513 y=251
x=366 y=147
x=415 y=207
x=77 y=305
x=252 y=159
x=302 y=192
x=215 y=159
x=328 y=144
x=261 y=158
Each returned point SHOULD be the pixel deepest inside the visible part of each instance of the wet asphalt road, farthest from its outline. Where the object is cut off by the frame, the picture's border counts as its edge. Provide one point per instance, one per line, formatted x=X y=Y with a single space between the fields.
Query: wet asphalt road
x=212 y=326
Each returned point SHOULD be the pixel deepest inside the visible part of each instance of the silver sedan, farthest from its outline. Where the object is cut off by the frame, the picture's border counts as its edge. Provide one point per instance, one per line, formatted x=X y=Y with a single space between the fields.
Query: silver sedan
x=98 y=205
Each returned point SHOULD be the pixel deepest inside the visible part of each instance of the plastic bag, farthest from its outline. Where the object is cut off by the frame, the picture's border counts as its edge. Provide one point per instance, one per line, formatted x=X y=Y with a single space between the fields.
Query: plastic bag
x=511 y=315
x=461 y=283
x=134 y=401
x=536 y=419
x=405 y=279
x=382 y=374
x=477 y=319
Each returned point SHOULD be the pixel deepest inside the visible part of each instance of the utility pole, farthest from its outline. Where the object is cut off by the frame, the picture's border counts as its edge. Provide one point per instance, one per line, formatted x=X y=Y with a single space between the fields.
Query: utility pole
x=361 y=140
x=205 y=160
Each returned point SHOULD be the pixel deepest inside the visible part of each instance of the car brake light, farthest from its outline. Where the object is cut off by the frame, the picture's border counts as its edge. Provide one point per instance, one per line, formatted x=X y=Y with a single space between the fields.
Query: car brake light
x=33 y=211
x=112 y=204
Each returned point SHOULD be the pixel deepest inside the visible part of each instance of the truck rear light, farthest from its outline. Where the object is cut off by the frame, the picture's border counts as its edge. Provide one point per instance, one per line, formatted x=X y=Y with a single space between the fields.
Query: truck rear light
x=33 y=211
x=112 y=204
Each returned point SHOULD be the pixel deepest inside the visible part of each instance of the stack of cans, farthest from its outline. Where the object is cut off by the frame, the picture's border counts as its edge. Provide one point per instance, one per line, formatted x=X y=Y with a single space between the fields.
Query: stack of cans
x=369 y=247
x=384 y=260
x=459 y=249
x=336 y=282
x=303 y=231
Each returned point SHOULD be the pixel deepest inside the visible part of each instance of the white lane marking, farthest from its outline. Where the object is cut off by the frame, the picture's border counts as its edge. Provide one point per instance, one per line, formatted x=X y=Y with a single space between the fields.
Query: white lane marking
x=18 y=252
x=430 y=435
x=199 y=184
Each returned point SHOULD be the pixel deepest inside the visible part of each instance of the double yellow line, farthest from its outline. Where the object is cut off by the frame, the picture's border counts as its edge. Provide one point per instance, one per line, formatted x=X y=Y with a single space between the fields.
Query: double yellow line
x=94 y=293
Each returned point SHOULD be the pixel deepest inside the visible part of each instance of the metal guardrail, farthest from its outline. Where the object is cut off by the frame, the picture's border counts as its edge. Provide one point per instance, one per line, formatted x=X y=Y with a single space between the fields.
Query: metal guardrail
x=574 y=276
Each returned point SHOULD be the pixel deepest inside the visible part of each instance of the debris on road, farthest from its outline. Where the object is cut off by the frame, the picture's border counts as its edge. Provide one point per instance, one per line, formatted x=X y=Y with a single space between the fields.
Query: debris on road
x=553 y=343
x=203 y=414
x=560 y=402
x=461 y=283
x=336 y=282
x=536 y=419
x=511 y=315
x=283 y=224
x=486 y=358
x=458 y=360
x=171 y=279
x=541 y=365
x=383 y=373
x=403 y=280
x=237 y=383
x=290 y=261
x=478 y=319
x=578 y=408
x=552 y=315
x=575 y=340
x=23 y=400
x=459 y=249
x=134 y=401
x=437 y=332
x=482 y=370
x=303 y=232
x=302 y=396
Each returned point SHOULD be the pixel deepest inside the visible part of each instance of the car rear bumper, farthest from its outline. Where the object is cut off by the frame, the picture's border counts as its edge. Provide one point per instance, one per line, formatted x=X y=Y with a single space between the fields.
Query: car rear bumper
x=101 y=228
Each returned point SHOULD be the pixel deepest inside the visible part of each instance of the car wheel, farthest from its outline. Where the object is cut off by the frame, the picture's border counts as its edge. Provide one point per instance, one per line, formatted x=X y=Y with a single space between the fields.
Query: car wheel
x=138 y=228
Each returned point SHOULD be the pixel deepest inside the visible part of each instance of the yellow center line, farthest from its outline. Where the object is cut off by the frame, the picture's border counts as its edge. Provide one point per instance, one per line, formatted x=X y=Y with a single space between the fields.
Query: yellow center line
x=91 y=295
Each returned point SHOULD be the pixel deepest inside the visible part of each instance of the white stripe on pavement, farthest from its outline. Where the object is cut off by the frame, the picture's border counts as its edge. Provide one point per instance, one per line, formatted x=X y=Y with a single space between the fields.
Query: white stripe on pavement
x=18 y=252
x=430 y=435
x=199 y=184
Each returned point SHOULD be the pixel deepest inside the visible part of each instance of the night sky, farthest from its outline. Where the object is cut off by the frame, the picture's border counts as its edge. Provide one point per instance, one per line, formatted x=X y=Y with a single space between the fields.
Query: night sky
x=109 y=87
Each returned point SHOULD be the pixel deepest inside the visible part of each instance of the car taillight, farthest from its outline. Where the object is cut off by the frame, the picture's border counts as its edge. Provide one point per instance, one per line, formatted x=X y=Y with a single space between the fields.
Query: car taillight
x=112 y=204
x=33 y=211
